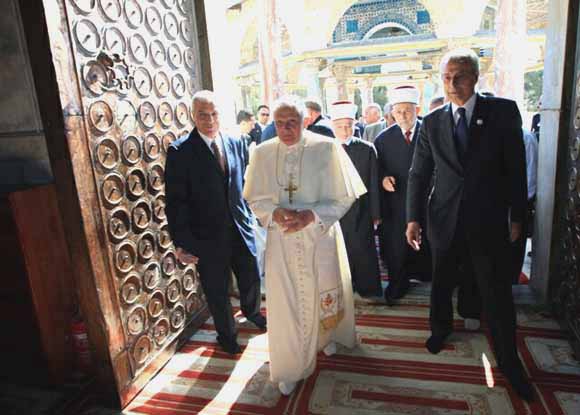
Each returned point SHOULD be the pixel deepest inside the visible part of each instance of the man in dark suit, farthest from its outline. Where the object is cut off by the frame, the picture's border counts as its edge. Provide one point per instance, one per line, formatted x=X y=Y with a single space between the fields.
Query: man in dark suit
x=536 y=121
x=260 y=126
x=209 y=222
x=269 y=132
x=314 y=120
x=395 y=147
x=473 y=146
x=246 y=121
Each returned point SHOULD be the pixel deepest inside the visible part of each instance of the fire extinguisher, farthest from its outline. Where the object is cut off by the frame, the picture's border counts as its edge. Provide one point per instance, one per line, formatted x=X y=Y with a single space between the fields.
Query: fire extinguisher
x=80 y=343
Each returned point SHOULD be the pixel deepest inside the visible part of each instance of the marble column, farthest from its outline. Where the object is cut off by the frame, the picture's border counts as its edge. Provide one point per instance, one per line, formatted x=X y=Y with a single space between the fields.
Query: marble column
x=340 y=74
x=270 y=51
x=310 y=77
x=350 y=91
x=510 y=56
x=366 y=90
x=330 y=91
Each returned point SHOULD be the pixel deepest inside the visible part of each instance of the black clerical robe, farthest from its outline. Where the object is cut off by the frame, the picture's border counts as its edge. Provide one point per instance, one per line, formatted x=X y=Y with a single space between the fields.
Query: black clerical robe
x=394 y=157
x=357 y=223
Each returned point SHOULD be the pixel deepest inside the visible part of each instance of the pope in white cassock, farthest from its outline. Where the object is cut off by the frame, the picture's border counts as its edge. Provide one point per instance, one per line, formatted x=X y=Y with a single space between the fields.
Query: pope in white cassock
x=299 y=185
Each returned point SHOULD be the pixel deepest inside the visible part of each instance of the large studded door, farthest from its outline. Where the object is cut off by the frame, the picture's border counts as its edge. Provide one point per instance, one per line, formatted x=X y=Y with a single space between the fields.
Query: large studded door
x=127 y=70
x=566 y=285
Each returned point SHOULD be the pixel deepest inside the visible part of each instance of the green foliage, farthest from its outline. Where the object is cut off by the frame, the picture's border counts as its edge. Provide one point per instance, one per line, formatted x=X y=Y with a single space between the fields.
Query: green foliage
x=380 y=95
x=533 y=89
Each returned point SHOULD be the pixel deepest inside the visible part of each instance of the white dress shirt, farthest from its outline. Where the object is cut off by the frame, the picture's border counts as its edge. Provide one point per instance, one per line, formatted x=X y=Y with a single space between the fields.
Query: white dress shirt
x=208 y=141
x=469 y=107
x=412 y=131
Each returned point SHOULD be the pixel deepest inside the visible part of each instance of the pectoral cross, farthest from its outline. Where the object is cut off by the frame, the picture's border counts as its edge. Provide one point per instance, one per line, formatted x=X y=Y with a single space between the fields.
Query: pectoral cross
x=291 y=188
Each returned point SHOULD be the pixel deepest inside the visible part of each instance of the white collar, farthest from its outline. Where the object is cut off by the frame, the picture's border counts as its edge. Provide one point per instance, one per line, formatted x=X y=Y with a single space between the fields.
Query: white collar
x=347 y=142
x=209 y=141
x=412 y=130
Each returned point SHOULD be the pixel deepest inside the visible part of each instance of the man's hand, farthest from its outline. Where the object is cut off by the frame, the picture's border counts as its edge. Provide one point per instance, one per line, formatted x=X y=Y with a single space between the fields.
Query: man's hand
x=302 y=219
x=283 y=216
x=389 y=183
x=292 y=220
x=413 y=235
x=185 y=257
x=515 y=231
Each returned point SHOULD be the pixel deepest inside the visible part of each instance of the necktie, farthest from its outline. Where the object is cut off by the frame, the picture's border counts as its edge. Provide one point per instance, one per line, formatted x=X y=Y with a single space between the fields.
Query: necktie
x=408 y=136
x=461 y=132
x=217 y=153
x=344 y=146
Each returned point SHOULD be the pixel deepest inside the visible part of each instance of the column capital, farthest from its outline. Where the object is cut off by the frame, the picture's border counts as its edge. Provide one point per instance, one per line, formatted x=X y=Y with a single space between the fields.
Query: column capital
x=314 y=63
x=340 y=72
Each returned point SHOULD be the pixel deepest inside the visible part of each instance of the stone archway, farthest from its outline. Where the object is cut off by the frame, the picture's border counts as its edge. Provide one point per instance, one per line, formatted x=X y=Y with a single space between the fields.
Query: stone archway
x=387 y=29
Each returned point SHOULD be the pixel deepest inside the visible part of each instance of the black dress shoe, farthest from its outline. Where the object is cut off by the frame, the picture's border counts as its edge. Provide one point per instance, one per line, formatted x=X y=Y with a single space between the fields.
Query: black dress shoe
x=523 y=388
x=229 y=346
x=401 y=291
x=519 y=382
x=435 y=343
x=392 y=294
x=260 y=322
x=389 y=300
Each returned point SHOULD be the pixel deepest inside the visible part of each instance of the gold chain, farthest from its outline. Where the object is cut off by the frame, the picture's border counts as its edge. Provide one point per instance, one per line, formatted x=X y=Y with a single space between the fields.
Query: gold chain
x=300 y=164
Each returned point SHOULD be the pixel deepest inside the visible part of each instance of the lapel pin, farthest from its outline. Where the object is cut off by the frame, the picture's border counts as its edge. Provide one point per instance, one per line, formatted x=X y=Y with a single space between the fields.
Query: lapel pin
x=479 y=121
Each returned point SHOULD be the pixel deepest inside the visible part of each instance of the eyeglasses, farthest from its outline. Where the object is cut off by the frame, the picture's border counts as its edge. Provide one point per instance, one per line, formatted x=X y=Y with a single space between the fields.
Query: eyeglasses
x=289 y=125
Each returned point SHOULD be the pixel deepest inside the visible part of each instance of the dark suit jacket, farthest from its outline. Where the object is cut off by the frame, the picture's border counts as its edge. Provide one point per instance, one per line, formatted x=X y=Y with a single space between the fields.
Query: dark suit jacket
x=321 y=126
x=201 y=201
x=395 y=156
x=269 y=132
x=536 y=125
x=359 y=129
x=488 y=186
x=256 y=134
x=364 y=157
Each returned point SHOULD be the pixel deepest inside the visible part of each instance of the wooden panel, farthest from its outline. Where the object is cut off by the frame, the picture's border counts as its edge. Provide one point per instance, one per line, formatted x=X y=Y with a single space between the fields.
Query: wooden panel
x=20 y=347
x=123 y=74
x=45 y=253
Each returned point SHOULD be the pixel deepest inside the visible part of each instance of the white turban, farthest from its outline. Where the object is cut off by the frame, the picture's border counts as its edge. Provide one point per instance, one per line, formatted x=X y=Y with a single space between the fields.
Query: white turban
x=343 y=109
x=404 y=94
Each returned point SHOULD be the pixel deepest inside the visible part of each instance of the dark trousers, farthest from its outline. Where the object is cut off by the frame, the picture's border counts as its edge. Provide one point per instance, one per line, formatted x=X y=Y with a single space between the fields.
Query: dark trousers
x=215 y=270
x=483 y=279
x=403 y=261
x=398 y=253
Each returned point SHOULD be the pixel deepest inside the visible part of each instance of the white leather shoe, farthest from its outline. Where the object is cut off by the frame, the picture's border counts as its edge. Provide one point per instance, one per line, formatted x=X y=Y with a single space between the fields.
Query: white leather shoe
x=330 y=349
x=286 y=388
x=471 y=324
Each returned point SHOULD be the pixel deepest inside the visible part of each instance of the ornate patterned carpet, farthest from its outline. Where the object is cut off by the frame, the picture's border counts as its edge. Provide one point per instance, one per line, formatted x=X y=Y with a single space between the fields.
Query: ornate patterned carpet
x=389 y=372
